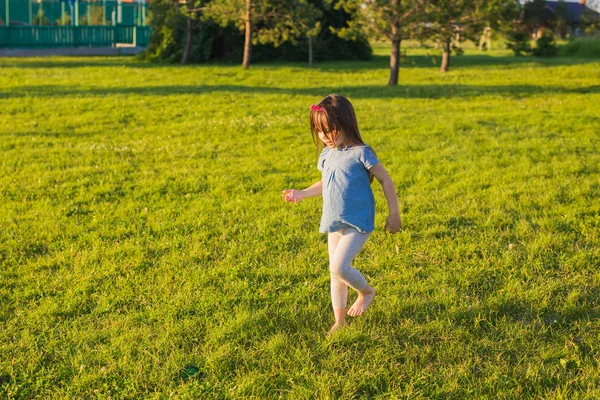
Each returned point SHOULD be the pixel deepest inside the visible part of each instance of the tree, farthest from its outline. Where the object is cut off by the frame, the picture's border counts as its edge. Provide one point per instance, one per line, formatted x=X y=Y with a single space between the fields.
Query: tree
x=165 y=20
x=391 y=19
x=187 y=10
x=561 y=19
x=265 y=21
x=178 y=35
x=447 y=20
x=518 y=35
x=452 y=21
x=534 y=15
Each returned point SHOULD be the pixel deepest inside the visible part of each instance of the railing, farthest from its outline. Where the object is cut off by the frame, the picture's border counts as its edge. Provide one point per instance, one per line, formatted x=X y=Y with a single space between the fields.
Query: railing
x=41 y=37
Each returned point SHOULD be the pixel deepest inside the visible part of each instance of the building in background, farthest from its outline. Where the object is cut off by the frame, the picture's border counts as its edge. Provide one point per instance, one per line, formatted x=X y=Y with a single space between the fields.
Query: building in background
x=73 y=12
x=35 y=24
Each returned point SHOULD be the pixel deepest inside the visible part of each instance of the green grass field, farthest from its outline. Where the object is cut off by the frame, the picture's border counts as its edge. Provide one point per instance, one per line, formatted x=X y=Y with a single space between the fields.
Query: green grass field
x=145 y=250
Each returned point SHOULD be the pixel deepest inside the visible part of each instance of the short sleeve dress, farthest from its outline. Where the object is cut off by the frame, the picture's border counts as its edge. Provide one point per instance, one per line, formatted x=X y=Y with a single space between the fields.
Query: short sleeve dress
x=347 y=196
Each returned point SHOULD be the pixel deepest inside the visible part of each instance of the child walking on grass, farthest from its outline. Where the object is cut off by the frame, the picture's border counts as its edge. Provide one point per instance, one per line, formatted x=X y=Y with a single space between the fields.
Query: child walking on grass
x=348 y=166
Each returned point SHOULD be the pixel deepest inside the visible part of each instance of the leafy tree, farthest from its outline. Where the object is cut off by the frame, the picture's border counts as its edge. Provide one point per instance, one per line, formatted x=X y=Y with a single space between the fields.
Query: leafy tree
x=561 y=19
x=534 y=15
x=590 y=22
x=448 y=20
x=390 y=19
x=452 y=21
x=326 y=45
x=169 y=25
x=171 y=20
x=191 y=15
x=518 y=33
x=265 y=21
x=165 y=20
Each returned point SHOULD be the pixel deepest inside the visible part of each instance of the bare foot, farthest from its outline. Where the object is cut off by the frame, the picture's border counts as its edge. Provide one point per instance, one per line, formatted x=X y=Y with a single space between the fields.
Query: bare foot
x=362 y=303
x=335 y=327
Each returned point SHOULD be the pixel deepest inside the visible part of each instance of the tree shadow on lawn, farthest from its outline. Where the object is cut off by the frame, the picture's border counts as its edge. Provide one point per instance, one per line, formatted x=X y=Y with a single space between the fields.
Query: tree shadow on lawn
x=456 y=62
x=442 y=91
x=71 y=62
x=376 y=62
x=485 y=319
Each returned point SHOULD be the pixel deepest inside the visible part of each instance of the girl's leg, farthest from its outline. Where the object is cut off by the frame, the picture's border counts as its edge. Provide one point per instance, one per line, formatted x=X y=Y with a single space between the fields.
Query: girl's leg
x=349 y=243
x=339 y=289
x=348 y=246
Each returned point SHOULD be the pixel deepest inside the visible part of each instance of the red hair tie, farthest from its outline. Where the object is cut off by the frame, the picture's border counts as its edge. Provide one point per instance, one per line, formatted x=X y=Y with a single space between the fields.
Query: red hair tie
x=317 y=108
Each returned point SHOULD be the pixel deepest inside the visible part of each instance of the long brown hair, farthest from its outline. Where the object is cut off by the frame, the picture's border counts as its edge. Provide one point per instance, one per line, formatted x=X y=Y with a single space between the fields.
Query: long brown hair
x=335 y=114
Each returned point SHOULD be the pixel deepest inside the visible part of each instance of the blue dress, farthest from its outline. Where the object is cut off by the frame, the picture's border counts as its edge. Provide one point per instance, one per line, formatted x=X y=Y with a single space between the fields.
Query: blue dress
x=347 y=195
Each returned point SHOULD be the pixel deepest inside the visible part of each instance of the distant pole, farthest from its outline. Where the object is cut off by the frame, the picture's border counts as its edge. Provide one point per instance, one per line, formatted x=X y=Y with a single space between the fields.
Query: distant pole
x=144 y=14
x=30 y=12
x=76 y=13
x=119 y=12
x=88 y=14
x=7 y=14
x=103 y=12
x=62 y=12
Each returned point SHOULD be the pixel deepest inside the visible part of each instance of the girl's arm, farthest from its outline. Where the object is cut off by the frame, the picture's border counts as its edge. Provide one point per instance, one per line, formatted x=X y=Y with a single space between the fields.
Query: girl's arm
x=295 y=196
x=393 y=222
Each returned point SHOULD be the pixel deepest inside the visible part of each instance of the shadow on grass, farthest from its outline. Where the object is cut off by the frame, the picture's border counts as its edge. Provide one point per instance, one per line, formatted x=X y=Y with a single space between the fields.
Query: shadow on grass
x=456 y=62
x=489 y=316
x=376 y=62
x=446 y=91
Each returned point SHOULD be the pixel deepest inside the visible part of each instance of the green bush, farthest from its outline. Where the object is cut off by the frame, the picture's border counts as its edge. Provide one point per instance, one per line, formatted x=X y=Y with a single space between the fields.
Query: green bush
x=545 y=45
x=583 y=47
x=518 y=42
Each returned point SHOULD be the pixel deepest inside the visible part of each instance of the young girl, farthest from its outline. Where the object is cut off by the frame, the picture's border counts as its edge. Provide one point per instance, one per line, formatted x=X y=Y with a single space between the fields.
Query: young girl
x=348 y=166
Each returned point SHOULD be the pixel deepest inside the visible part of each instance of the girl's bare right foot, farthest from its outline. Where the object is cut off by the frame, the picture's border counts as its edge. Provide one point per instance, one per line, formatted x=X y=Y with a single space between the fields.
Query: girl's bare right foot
x=362 y=303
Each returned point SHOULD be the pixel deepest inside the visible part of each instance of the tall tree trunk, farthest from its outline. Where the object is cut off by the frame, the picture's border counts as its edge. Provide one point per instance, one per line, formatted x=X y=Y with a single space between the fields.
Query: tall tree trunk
x=188 y=43
x=446 y=57
x=248 y=39
x=394 y=63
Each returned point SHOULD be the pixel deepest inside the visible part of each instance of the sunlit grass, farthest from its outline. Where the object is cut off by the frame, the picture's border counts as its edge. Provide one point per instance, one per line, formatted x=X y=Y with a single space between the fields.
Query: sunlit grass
x=145 y=251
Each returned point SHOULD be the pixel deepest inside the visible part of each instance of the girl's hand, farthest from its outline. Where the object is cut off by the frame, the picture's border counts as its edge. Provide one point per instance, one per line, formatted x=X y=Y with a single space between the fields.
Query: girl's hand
x=393 y=223
x=292 y=195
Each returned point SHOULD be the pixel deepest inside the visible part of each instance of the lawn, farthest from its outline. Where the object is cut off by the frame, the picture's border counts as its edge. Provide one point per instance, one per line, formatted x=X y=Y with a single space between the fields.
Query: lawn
x=145 y=250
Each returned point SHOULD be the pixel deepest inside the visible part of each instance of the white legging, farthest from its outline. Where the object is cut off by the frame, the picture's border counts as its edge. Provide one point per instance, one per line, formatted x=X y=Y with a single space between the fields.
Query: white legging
x=344 y=245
